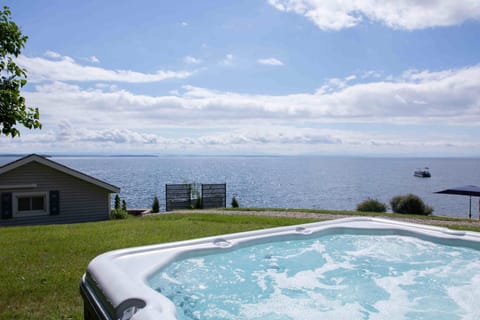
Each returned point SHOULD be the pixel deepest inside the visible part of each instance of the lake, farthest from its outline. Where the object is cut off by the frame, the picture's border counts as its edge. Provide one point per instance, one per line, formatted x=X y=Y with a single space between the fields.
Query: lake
x=312 y=182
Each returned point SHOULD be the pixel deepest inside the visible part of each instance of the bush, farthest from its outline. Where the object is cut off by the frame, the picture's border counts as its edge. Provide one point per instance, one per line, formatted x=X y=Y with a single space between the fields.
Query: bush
x=117 y=202
x=372 y=205
x=235 y=203
x=118 y=214
x=410 y=204
x=155 y=205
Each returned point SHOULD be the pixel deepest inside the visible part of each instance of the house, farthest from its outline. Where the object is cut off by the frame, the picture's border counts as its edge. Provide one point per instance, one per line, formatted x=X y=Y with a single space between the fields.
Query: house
x=36 y=190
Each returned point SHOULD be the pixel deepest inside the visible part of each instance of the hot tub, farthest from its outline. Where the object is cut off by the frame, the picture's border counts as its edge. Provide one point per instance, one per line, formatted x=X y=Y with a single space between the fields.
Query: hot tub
x=126 y=284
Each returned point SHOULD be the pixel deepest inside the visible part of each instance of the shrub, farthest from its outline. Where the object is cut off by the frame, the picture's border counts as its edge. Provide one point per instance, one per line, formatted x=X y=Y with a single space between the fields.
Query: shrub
x=155 y=205
x=118 y=214
x=372 y=205
x=410 y=204
x=235 y=203
x=117 y=202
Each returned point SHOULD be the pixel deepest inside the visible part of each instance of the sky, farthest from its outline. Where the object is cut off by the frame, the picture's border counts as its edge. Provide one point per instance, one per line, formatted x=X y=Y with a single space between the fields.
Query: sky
x=252 y=77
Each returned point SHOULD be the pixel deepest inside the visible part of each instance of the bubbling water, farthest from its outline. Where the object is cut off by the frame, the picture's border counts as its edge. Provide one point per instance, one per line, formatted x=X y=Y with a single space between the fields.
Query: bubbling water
x=342 y=276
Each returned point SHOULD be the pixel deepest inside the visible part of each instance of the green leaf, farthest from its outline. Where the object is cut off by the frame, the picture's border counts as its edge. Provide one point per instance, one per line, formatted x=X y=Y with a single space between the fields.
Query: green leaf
x=13 y=110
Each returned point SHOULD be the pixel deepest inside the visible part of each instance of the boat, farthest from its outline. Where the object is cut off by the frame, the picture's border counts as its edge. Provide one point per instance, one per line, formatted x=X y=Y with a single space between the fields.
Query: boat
x=422 y=173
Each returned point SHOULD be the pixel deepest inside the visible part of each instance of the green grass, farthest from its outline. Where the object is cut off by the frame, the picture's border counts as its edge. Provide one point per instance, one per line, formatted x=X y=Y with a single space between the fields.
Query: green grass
x=41 y=266
x=465 y=228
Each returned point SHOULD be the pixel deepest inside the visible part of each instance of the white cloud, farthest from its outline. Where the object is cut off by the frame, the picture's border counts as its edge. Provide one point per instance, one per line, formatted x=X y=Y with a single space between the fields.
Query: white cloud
x=335 y=84
x=371 y=74
x=52 y=54
x=71 y=137
x=409 y=14
x=271 y=135
x=270 y=62
x=71 y=133
x=228 y=60
x=448 y=97
x=65 y=68
x=93 y=59
x=351 y=77
x=191 y=60
x=256 y=123
x=184 y=24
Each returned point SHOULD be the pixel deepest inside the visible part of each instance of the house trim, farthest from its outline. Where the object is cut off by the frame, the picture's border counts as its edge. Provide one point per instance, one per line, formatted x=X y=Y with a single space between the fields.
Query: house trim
x=18 y=186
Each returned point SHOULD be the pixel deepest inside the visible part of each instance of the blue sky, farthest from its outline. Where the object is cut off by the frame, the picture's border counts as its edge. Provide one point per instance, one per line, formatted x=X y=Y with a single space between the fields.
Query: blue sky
x=252 y=77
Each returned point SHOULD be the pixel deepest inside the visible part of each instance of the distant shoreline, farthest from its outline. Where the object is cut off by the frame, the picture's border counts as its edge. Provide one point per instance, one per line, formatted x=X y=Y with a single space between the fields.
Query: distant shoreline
x=84 y=155
x=53 y=155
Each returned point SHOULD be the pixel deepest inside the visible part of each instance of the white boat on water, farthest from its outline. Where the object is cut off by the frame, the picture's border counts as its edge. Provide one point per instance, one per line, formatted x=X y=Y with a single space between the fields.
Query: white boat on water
x=422 y=173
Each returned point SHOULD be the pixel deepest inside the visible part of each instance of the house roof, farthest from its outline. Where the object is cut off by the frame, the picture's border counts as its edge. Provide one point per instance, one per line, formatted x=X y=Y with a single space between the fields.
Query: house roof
x=60 y=167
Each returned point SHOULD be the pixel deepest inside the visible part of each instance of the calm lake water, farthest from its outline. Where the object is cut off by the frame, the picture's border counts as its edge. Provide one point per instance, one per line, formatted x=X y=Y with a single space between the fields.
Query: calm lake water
x=312 y=182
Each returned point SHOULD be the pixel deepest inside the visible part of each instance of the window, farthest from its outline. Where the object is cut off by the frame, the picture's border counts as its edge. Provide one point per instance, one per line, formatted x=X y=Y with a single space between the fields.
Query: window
x=33 y=203
x=38 y=203
x=25 y=204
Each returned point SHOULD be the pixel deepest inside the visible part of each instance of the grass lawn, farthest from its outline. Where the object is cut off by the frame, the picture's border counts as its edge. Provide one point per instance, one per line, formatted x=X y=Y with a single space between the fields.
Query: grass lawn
x=41 y=266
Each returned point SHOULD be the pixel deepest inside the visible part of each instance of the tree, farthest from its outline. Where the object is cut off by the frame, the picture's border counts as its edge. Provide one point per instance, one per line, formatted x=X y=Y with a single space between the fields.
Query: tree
x=235 y=203
x=12 y=105
x=117 y=202
x=155 y=205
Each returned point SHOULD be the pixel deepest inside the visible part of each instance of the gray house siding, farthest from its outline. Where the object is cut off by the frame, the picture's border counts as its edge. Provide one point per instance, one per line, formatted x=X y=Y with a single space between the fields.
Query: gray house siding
x=79 y=201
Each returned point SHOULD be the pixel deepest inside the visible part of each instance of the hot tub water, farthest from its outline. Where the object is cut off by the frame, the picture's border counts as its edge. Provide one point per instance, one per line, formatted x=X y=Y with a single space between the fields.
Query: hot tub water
x=336 y=276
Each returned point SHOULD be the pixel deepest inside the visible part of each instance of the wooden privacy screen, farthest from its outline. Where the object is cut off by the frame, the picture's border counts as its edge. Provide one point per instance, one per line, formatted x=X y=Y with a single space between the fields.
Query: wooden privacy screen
x=214 y=196
x=186 y=196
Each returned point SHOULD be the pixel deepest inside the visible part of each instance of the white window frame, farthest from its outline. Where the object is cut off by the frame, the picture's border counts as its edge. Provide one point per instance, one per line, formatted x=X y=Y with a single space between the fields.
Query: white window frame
x=16 y=213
